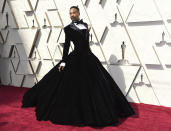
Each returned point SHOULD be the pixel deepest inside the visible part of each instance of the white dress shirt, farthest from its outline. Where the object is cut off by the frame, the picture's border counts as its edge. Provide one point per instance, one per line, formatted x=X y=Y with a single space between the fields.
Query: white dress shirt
x=80 y=26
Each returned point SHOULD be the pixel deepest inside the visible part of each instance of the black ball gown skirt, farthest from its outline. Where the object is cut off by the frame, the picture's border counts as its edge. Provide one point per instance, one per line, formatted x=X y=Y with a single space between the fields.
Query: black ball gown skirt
x=83 y=93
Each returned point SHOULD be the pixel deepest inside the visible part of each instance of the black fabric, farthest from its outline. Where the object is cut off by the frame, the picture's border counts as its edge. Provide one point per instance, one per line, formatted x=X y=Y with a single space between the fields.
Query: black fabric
x=83 y=93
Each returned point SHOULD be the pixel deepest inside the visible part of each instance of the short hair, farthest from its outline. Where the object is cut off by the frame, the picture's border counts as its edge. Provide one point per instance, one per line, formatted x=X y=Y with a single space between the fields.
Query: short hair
x=76 y=7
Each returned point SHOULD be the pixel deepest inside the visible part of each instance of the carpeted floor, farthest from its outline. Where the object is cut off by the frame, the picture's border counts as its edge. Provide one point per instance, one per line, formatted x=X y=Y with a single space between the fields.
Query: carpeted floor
x=14 y=118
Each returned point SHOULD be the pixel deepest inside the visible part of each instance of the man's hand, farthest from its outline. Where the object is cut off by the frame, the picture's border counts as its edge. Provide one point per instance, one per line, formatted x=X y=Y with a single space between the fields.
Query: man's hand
x=60 y=68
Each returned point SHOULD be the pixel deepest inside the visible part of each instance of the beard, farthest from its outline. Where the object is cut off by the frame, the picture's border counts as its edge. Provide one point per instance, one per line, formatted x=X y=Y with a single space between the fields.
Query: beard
x=74 y=18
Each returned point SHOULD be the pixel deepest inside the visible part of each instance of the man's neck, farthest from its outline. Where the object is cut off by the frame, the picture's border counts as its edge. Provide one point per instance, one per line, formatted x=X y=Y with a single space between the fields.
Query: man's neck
x=76 y=20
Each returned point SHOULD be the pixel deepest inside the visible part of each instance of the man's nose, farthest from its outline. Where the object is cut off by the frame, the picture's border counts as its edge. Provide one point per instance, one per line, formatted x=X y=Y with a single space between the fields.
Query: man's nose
x=72 y=15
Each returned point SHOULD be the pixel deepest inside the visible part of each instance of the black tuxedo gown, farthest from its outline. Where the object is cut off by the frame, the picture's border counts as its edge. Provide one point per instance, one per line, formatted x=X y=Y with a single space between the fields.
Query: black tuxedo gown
x=83 y=93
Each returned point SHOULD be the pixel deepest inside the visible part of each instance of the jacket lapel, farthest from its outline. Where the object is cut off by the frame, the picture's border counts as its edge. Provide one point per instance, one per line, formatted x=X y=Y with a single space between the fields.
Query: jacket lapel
x=74 y=27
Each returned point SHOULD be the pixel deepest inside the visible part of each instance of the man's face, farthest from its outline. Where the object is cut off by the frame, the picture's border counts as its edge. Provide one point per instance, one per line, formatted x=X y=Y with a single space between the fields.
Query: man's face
x=74 y=14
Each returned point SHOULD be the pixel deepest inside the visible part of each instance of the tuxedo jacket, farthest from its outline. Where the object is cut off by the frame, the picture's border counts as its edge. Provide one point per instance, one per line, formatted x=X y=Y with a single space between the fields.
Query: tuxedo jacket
x=80 y=39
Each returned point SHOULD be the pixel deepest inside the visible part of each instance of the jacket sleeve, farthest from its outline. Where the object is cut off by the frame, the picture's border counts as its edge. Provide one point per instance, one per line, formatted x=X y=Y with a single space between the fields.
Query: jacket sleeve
x=66 y=45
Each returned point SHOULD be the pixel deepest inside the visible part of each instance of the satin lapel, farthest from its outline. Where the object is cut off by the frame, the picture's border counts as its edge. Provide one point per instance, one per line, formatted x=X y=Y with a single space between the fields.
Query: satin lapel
x=72 y=25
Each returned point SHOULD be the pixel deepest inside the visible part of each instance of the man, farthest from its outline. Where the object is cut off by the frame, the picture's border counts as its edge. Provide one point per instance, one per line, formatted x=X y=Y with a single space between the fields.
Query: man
x=75 y=17
x=79 y=96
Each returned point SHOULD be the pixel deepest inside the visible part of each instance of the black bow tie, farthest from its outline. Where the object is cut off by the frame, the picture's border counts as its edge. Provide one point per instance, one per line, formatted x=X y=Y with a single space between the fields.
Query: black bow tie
x=78 y=21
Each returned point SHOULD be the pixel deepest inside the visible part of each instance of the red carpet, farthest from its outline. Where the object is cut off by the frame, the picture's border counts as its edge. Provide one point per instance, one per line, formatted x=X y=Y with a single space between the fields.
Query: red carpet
x=13 y=118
